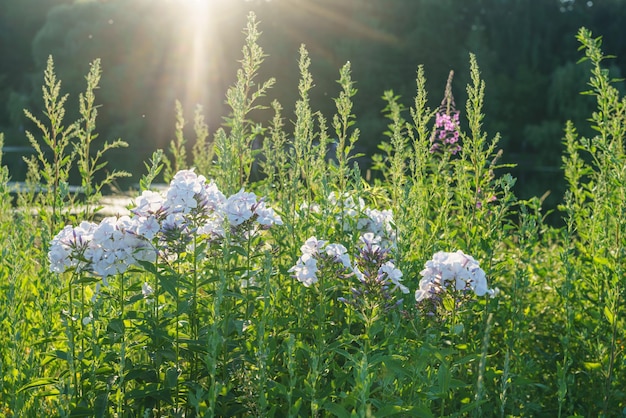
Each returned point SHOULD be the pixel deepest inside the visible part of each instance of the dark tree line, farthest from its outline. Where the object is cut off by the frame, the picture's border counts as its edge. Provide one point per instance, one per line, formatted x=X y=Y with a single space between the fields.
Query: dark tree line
x=157 y=51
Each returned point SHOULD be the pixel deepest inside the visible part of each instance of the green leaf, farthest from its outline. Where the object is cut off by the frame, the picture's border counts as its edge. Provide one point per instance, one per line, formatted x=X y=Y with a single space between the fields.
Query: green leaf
x=336 y=409
x=37 y=383
x=444 y=377
x=82 y=412
x=610 y=316
x=601 y=260
x=448 y=303
x=171 y=377
x=100 y=405
x=592 y=365
x=117 y=326
x=413 y=411
x=168 y=283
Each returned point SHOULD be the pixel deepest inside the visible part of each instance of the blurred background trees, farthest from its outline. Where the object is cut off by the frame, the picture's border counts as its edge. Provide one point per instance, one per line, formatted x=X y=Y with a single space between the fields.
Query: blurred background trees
x=157 y=51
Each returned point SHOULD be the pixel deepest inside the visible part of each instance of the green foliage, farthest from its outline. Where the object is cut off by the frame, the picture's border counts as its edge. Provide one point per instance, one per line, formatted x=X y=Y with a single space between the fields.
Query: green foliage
x=595 y=207
x=220 y=325
x=234 y=149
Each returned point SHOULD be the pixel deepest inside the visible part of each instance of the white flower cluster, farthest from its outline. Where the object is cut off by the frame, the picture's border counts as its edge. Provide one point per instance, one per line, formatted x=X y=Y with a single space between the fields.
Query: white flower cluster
x=307 y=267
x=455 y=270
x=387 y=273
x=348 y=212
x=391 y=273
x=68 y=247
x=190 y=205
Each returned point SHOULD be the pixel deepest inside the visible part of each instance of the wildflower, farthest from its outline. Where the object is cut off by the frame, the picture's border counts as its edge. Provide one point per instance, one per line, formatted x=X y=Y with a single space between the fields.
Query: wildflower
x=305 y=270
x=371 y=241
x=213 y=227
x=445 y=137
x=212 y=197
x=312 y=246
x=452 y=271
x=394 y=275
x=165 y=224
x=380 y=222
x=68 y=248
x=377 y=276
x=266 y=215
x=348 y=205
x=180 y=197
x=239 y=207
x=310 y=208
x=317 y=255
x=87 y=320
x=146 y=290
x=339 y=254
x=149 y=203
x=481 y=197
x=115 y=247
x=146 y=227
x=190 y=193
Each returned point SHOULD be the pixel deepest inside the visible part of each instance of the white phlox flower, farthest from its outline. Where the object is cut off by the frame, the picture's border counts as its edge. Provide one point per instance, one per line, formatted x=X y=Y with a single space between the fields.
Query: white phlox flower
x=266 y=215
x=305 y=270
x=371 y=240
x=380 y=222
x=213 y=227
x=313 y=250
x=161 y=223
x=214 y=199
x=394 y=275
x=148 y=203
x=114 y=246
x=312 y=246
x=339 y=254
x=239 y=207
x=452 y=270
x=69 y=248
x=146 y=290
x=146 y=227
x=306 y=207
x=87 y=320
x=182 y=194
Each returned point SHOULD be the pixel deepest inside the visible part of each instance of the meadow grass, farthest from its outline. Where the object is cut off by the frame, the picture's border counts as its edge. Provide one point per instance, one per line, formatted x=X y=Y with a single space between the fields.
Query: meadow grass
x=274 y=280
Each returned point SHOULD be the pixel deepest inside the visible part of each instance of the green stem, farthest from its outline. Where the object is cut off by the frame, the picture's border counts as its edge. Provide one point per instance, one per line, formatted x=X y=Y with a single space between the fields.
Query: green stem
x=155 y=328
x=122 y=385
x=177 y=345
x=72 y=332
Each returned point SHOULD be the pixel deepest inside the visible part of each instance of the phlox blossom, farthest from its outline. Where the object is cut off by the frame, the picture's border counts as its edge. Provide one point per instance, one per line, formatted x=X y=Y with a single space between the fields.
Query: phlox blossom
x=305 y=270
x=113 y=246
x=316 y=251
x=452 y=270
x=146 y=290
x=312 y=246
x=371 y=241
x=394 y=275
x=148 y=203
x=239 y=207
x=162 y=224
x=379 y=222
x=266 y=215
x=213 y=226
x=339 y=254
x=68 y=247
x=190 y=193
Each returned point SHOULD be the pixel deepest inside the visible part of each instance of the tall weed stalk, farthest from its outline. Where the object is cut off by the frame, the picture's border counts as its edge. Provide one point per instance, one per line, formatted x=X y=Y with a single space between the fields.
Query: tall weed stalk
x=594 y=169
